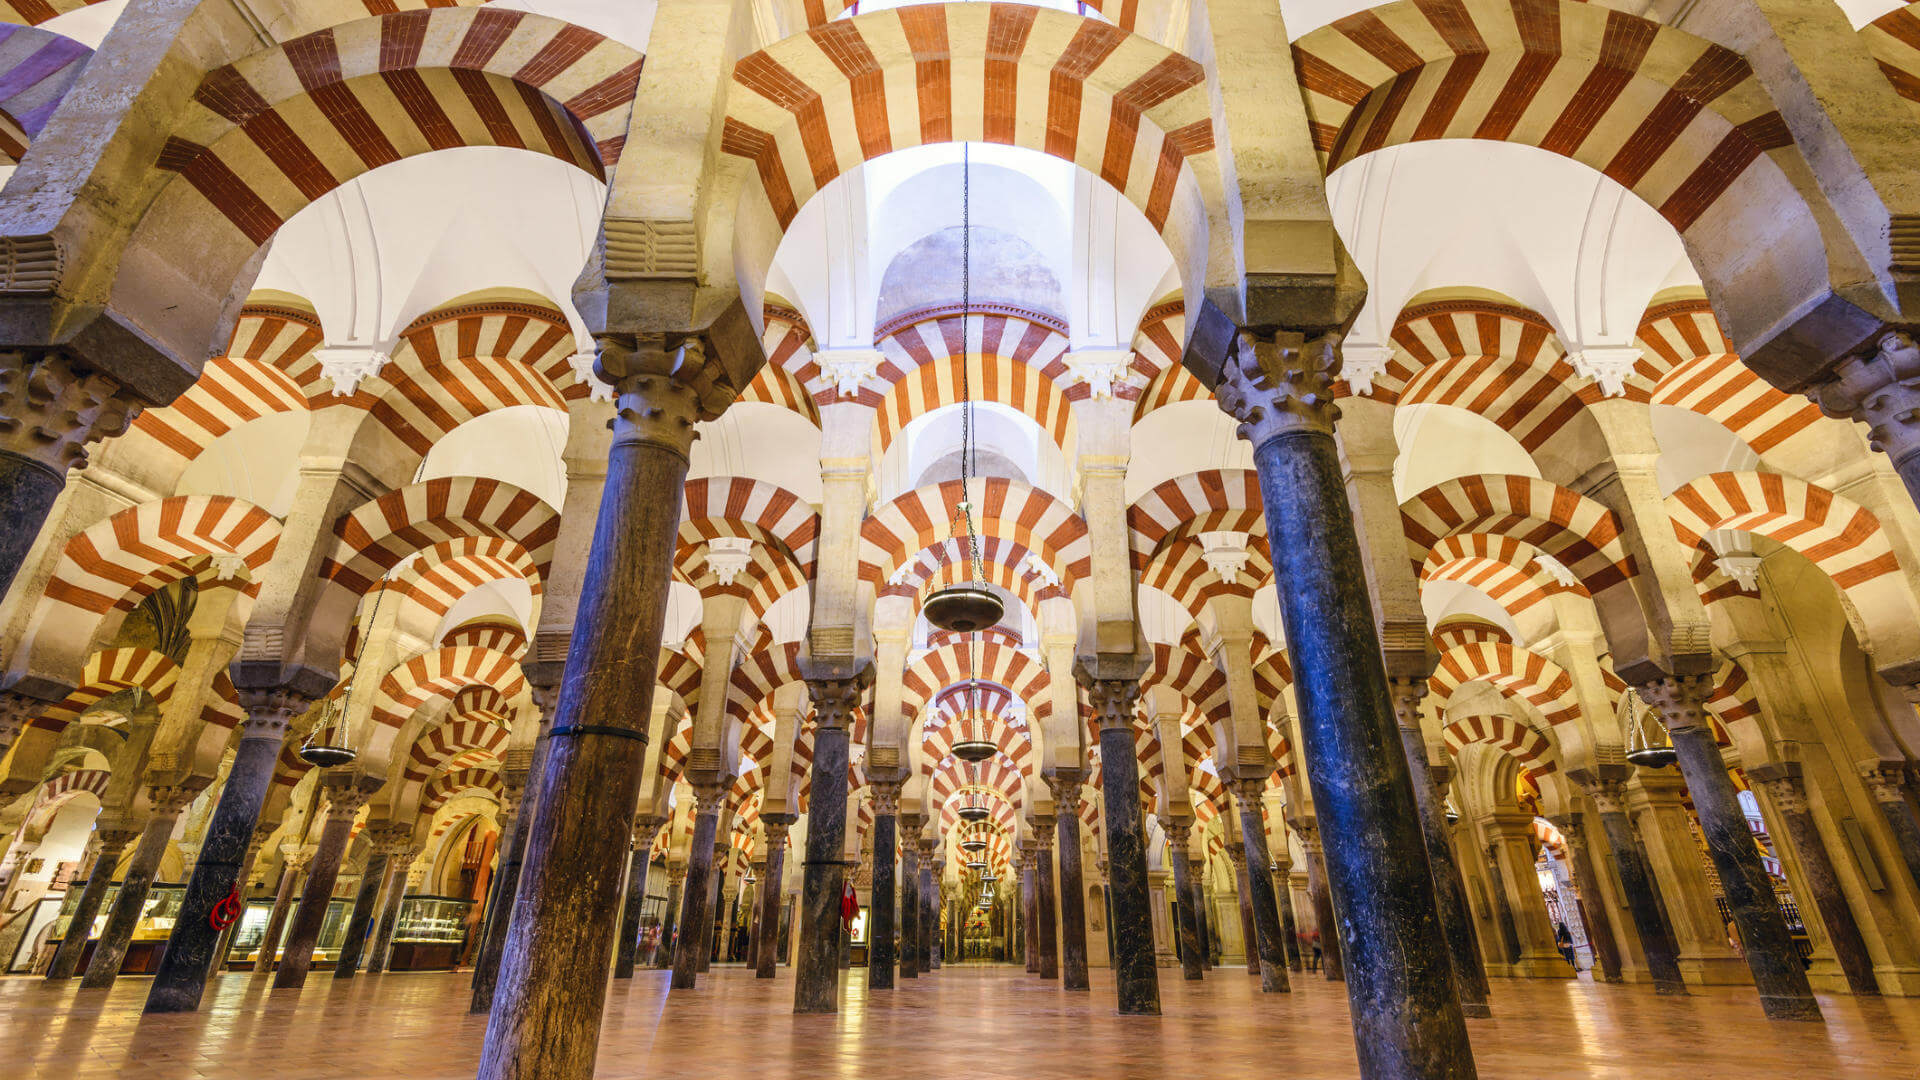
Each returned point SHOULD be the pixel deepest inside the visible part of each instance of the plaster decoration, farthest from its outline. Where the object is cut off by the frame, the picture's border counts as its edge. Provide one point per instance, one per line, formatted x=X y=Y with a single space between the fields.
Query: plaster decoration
x=1032 y=564
x=728 y=555
x=583 y=369
x=346 y=365
x=1556 y=570
x=1100 y=369
x=1608 y=365
x=847 y=369
x=1364 y=363
x=1226 y=554
x=1733 y=554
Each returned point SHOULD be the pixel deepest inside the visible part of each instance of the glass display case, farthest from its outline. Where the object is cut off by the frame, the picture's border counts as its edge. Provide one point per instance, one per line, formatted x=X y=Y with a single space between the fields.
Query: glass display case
x=157 y=916
x=252 y=931
x=430 y=933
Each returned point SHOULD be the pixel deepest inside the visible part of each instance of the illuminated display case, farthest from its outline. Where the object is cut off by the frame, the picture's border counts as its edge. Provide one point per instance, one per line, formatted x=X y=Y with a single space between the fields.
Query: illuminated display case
x=157 y=917
x=430 y=933
x=252 y=930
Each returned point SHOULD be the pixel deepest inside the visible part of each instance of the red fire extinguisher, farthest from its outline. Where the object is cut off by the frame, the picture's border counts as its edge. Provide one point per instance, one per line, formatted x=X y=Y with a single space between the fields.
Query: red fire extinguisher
x=226 y=911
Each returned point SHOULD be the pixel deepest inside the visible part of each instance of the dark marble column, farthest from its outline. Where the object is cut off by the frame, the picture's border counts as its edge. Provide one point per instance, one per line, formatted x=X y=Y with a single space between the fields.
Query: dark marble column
x=1179 y=834
x=396 y=892
x=931 y=873
x=366 y=901
x=1030 y=903
x=835 y=695
x=1289 y=924
x=1886 y=782
x=1636 y=880
x=182 y=974
x=56 y=404
x=645 y=828
x=1593 y=907
x=1502 y=905
x=1266 y=910
x=1331 y=967
x=520 y=773
x=546 y=1010
x=771 y=890
x=1043 y=896
x=886 y=822
x=1400 y=982
x=1136 y=979
x=714 y=926
x=1777 y=971
x=224 y=946
x=1249 y=943
x=1449 y=888
x=293 y=867
x=111 y=949
x=1784 y=788
x=670 y=918
x=112 y=844
x=1065 y=785
x=1201 y=923
x=344 y=801
x=696 y=900
x=911 y=952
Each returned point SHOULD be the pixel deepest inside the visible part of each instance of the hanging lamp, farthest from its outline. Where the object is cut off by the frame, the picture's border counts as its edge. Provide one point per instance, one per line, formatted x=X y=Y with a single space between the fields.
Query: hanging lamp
x=972 y=845
x=973 y=746
x=974 y=808
x=1641 y=749
x=327 y=746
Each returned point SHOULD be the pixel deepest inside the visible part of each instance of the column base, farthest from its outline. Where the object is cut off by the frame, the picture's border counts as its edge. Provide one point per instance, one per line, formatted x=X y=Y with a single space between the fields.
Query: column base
x=1791 y=1008
x=1476 y=1010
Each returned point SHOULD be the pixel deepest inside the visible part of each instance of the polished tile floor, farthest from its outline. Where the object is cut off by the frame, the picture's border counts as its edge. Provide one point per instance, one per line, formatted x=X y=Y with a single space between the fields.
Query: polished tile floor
x=974 y=1021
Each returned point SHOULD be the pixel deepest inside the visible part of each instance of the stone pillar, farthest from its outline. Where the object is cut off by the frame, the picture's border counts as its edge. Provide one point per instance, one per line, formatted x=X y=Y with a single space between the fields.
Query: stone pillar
x=1266 y=911
x=714 y=926
x=505 y=885
x=931 y=874
x=344 y=801
x=546 y=1010
x=111 y=949
x=396 y=892
x=53 y=405
x=1782 y=784
x=111 y=844
x=1511 y=853
x=886 y=822
x=645 y=828
x=1200 y=923
x=696 y=903
x=1065 y=785
x=366 y=901
x=1593 y=904
x=1179 y=835
x=1044 y=912
x=1405 y=1005
x=1030 y=904
x=181 y=978
x=1449 y=889
x=1135 y=978
x=1331 y=967
x=1289 y=923
x=294 y=860
x=1248 y=935
x=817 y=977
x=1881 y=389
x=670 y=919
x=910 y=949
x=1771 y=956
x=1636 y=880
x=1886 y=782
x=776 y=826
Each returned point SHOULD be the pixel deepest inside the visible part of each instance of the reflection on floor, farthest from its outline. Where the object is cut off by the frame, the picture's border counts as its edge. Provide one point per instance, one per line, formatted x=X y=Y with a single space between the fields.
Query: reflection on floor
x=977 y=1021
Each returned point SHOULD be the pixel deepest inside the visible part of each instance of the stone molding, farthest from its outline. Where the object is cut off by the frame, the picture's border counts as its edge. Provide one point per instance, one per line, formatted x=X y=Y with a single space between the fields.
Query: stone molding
x=52 y=406
x=1279 y=383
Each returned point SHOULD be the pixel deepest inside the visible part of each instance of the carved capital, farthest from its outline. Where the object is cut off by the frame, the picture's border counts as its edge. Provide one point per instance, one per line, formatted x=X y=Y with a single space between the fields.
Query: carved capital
x=1881 y=389
x=709 y=798
x=1042 y=831
x=1248 y=791
x=52 y=406
x=1274 y=384
x=1180 y=833
x=390 y=837
x=1569 y=826
x=347 y=792
x=835 y=699
x=1787 y=793
x=1065 y=785
x=271 y=712
x=1609 y=796
x=1680 y=701
x=1885 y=780
x=1112 y=701
x=656 y=410
x=886 y=797
x=169 y=800
x=1407 y=695
x=113 y=841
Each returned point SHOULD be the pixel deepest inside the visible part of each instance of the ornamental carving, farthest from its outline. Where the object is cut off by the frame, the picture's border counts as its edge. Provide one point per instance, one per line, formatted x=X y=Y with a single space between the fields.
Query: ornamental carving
x=1274 y=385
x=50 y=408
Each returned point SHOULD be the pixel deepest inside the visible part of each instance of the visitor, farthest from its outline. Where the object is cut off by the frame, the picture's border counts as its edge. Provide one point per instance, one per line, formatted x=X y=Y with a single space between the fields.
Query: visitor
x=1563 y=938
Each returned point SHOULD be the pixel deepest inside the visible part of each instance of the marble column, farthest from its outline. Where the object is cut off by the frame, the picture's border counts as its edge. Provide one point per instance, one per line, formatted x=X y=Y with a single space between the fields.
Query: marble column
x=111 y=843
x=396 y=892
x=931 y=873
x=360 y=918
x=696 y=900
x=1044 y=911
x=1503 y=907
x=1030 y=903
x=670 y=918
x=1065 y=786
x=1201 y=923
x=1886 y=782
x=294 y=860
x=910 y=950
x=886 y=824
x=504 y=887
x=181 y=977
x=1289 y=923
x=1449 y=889
x=1136 y=979
x=344 y=801
x=1636 y=880
x=223 y=948
x=1331 y=967
x=1179 y=835
x=1249 y=944
x=1778 y=973
x=776 y=826
x=1785 y=790
x=1405 y=1004
x=645 y=828
x=817 y=976
x=111 y=949
x=1266 y=911
x=546 y=1011
x=1593 y=905
x=714 y=925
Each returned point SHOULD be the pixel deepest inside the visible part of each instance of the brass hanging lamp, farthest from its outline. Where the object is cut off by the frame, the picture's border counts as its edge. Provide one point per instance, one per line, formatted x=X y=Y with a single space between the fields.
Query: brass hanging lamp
x=1642 y=749
x=328 y=745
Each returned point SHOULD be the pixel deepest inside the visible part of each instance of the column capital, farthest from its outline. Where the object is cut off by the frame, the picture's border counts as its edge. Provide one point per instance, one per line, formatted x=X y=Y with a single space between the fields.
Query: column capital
x=1680 y=701
x=835 y=695
x=1881 y=389
x=1885 y=780
x=52 y=405
x=297 y=856
x=1112 y=699
x=1609 y=795
x=1569 y=826
x=347 y=793
x=1248 y=790
x=115 y=840
x=1042 y=831
x=1789 y=795
x=776 y=826
x=390 y=837
x=1407 y=694
x=271 y=712
x=168 y=800
x=1065 y=785
x=1277 y=382
x=709 y=798
x=885 y=795
x=646 y=828
x=1180 y=833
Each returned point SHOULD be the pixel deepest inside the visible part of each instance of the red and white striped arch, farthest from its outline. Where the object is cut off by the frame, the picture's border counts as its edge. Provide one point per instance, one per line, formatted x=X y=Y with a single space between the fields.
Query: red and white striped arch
x=1123 y=13
x=1157 y=347
x=1497 y=361
x=37 y=68
x=716 y=506
x=1511 y=737
x=1693 y=367
x=501 y=637
x=1893 y=40
x=950 y=561
x=1534 y=678
x=1678 y=120
x=35 y=12
x=108 y=672
x=450 y=569
x=899 y=530
x=950 y=778
x=1180 y=569
x=1011 y=361
x=443 y=672
x=1457 y=632
x=374 y=538
x=1185 y=670
x=1209 y=500
x=783 y=380
x=1016 y=744
x=1843 y=539
x=448 y=786
x=1128 y=110
x=760 y=675
x=1507 y=570
x=992 y=662
x=255 y=378
x=456 y=738
x=1580 y=533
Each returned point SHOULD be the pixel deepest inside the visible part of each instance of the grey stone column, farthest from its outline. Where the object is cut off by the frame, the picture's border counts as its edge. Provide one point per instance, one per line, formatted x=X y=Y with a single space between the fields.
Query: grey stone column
x=381 y=954
x=776 y=826
x=1179 y=834
x=886 y=820
x=1636 y=880
x=1593 y=908
x=1502 y=903
x=1782 y=783
x=1065 y=785
x=111 y=950
x=1248 y=943
x=1886 y=782
x=1136 y=979
x=112 y=843
x=1400 y=983
x=1289 y=923
x=56 y=404
x=1201 y=922
x=1449 y=889
x=911 y=951
x=645 y=828
x=696 y=900
x=930 y=875
x=1030 y=905
x=224 y=947
x=521 y=769
x=835 y=694
x=1266 y=910
x=366 y=902
x=344 y=800
x=1777 y=971
x=181 y=977
x=713 y=919
x=1043 y=829
x=1331 y=967
x=669 y=919
x=293 y=865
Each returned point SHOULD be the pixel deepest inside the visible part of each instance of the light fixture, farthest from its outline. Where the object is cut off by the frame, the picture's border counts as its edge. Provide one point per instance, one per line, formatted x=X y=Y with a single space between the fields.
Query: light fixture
x=327 y=746
x=973 y=844
x=974 y=809
x=1641 y=749
x=963 y=608
x=977 y=864
x=973 y=746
